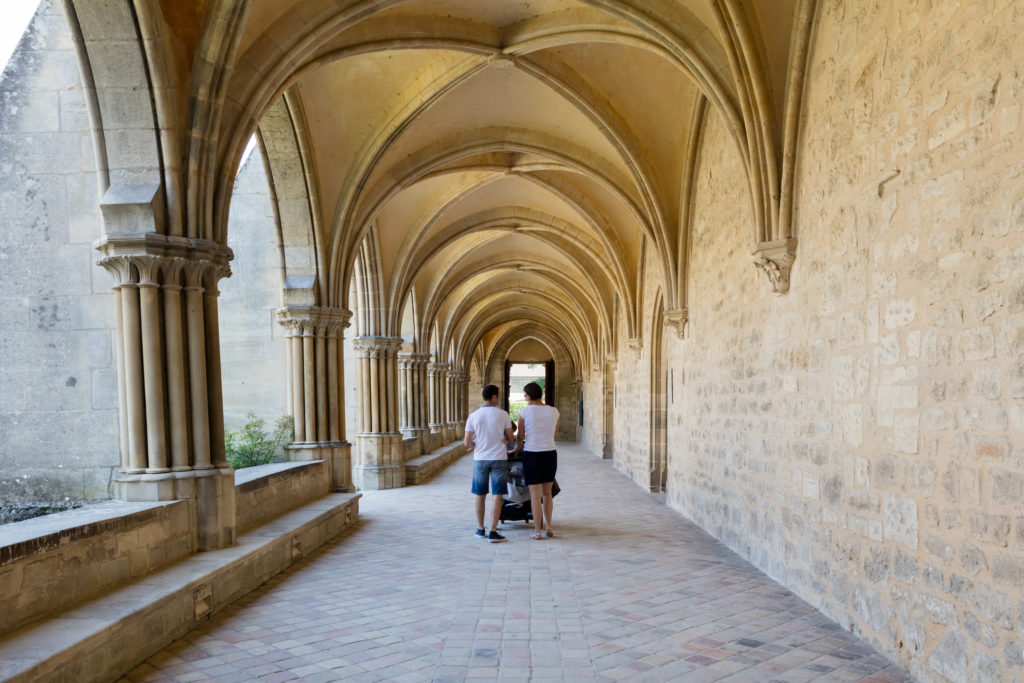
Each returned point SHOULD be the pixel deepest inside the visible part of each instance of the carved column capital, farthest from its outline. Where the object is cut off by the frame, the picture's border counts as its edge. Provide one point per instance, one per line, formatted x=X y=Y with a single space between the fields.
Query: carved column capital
x=142 y=258
x=775 y=259
x=317 y=321
x=376 y=347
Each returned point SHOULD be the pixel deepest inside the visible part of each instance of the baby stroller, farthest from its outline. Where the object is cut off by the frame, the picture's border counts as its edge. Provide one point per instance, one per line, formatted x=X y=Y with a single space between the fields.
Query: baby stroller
x=516 y=506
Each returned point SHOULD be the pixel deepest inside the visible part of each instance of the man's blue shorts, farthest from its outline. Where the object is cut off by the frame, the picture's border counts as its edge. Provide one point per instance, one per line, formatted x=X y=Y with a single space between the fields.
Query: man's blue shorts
x=497 y=470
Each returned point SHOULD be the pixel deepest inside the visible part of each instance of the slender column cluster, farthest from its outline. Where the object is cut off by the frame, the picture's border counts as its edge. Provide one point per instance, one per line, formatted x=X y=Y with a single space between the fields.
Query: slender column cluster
x=315 y=387
x=380 y=463
x=169 y=386
x=436 y=373
x=460 y=403
x=413 y=406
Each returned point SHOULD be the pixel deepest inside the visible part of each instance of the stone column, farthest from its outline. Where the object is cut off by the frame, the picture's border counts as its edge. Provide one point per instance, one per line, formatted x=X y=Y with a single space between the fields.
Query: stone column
x=168 y=357
x=379 y=463
x=436 y=374
x=461 y=403
x=315 y=386
x=450 y=378
x=413 y=417
x=608 y=409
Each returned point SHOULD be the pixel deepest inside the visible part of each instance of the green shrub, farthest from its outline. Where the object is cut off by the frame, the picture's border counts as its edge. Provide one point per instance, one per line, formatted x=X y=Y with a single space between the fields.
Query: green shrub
x=253 y=446
x=513 y=409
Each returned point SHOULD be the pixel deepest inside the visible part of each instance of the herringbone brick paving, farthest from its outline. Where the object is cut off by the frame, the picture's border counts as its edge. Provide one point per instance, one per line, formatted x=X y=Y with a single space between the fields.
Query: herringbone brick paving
x=629 y=590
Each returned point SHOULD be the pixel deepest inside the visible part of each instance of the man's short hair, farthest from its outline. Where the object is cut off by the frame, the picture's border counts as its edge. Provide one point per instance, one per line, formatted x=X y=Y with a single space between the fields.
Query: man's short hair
x=490 y=391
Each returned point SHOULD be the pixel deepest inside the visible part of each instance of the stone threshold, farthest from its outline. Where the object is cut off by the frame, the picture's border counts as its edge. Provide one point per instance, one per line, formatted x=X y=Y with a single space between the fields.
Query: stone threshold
x=113 y=633
x=419 y=470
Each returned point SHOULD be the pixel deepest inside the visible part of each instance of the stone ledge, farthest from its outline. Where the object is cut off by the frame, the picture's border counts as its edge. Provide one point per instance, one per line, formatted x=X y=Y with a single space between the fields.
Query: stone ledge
x=102 y=639
x=274 y=489
x=419 y=470
x=20 y=539
x=50 y=563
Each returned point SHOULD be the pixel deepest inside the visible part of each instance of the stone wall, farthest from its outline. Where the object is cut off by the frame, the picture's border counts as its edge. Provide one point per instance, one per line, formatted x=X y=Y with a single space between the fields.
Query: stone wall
x=858 y=439
x=254 y=357
x=58 y=382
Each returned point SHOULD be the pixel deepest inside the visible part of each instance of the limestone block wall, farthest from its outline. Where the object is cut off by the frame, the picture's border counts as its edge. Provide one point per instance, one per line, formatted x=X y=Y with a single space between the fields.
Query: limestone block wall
x=859 y=438
x=58 y=381
x=631 y=409
x=254 y=357
x=590 y=434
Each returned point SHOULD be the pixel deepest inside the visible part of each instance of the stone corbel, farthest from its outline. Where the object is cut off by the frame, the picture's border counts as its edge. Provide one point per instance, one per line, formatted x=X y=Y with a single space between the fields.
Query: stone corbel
x=635 y=343
x=677 y=319
x=775 y=259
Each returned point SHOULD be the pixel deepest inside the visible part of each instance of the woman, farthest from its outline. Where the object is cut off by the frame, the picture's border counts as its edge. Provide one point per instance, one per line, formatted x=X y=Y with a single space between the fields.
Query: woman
x=535 y=438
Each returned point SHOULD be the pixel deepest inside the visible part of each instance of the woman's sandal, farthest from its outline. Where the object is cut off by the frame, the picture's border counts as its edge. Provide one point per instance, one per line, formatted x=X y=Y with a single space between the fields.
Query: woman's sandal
x=550 y=533
x=538 y=537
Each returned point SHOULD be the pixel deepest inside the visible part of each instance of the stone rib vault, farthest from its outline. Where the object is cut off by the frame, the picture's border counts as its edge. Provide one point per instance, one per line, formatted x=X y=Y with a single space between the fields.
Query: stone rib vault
x=765 y=254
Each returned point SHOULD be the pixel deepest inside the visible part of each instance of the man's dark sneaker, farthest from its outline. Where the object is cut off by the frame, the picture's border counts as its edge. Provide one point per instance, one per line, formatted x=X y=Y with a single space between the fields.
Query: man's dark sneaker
x=495 y=537
x=480 y=533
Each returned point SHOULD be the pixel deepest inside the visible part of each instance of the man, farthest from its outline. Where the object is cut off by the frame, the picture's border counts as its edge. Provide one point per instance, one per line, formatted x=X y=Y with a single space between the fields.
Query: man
x=488 y=431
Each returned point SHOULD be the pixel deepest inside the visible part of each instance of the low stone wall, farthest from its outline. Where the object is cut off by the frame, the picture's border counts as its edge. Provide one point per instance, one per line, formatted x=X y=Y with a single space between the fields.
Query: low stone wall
x=101 y=640
x=50 y=563
x=265 y=492
x=419 y=470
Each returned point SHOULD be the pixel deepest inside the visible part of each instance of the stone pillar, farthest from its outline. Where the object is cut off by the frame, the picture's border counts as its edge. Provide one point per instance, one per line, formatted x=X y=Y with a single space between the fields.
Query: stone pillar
x=380 y=463
x=168 y=358
x=461 y=404
x=412 y=393
x=450 y=379
x=315 y=388
x=436 y=374
x=608 y=409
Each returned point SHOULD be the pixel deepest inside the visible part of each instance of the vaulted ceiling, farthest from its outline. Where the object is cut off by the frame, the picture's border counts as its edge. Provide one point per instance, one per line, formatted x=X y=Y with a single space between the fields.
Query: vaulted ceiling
x=499 y=161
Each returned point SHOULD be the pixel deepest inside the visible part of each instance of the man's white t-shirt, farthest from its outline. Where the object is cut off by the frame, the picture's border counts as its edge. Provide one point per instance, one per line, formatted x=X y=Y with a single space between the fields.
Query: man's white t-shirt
x=488 y=424
x=539 y=423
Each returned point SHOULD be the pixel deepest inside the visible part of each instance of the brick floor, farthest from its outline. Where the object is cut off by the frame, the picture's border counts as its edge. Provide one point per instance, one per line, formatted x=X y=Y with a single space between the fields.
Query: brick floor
x=628 y=591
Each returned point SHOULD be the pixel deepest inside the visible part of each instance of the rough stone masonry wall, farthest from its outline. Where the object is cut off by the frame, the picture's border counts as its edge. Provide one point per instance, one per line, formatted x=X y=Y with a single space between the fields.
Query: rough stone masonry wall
x=254 y=362
x=58 y=382
x=860 y=438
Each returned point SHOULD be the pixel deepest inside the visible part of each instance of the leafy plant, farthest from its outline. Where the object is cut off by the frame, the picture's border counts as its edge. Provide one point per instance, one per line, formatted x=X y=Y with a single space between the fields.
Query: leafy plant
x=253 y=446
x=513 y=409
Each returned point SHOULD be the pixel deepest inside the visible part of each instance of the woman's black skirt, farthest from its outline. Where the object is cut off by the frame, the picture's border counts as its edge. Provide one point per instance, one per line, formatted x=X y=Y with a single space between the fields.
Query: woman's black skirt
x=539 y=466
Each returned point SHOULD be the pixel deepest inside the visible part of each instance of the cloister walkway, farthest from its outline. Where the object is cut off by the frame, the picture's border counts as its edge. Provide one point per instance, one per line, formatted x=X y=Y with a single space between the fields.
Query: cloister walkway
x=630 y=590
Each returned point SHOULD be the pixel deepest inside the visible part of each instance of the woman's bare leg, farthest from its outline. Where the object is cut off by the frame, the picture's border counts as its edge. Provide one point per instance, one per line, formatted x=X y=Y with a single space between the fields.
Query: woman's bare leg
x=536 y=492
x=548 y=507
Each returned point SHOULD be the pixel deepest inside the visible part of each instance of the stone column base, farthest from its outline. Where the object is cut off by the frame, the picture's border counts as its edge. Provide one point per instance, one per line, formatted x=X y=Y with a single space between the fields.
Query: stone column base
x=607 y=451
x=421 y=433
x=337 y=455
x=215 y=498
x=379 y=463
x=376 y=477
x=213 y=491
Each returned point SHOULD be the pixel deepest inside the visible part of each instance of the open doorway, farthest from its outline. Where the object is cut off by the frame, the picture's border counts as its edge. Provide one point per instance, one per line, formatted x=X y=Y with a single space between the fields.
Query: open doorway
x=520 y=373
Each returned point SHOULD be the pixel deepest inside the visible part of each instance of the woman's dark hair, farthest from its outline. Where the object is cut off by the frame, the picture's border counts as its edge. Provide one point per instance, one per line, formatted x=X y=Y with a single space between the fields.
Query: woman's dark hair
x=533 y=390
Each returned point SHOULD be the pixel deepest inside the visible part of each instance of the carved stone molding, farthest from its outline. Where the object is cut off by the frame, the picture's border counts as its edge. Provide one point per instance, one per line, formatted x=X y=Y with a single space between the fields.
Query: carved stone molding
x=153 y=244
x=677 y=319
x=377 y=347
x=775 y=259
x=313 y=321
